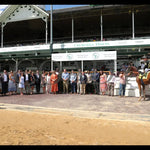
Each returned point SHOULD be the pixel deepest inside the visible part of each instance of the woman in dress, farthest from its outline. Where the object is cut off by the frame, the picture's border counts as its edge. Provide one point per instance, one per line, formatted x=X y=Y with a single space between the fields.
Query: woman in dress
x=32 y=83
x=54 y=83
x=43 y=81
x=103 y=80
x=48 y=85
x=21 y=83
x=11 y=84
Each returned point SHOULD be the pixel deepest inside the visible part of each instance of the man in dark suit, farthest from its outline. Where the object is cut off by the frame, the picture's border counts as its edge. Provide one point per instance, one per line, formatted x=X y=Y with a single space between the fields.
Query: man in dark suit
x=4 y=79
x=27 y=82
x=37 y=81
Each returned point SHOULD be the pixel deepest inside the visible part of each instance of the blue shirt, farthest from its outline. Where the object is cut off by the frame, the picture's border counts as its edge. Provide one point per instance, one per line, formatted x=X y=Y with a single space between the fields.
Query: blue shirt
x=73 y=77
x=95 y=76
x=65 y=75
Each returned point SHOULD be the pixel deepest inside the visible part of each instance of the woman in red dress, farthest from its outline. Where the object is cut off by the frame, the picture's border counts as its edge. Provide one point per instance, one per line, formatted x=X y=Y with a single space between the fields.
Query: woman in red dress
x=54 y=83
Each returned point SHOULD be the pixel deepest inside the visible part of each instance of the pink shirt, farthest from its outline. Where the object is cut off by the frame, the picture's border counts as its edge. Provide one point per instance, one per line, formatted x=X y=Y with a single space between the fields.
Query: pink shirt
x=122 y=79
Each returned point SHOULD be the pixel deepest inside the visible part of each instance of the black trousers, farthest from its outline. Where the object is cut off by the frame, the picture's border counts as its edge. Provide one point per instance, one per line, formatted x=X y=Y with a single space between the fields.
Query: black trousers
x=38 y=86
x=4 y=87
x=96 y=87
x=89 y=88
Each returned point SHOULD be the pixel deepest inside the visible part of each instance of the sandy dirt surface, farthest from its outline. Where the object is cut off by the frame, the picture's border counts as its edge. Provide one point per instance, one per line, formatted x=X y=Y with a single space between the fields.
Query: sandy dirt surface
x=34 y=128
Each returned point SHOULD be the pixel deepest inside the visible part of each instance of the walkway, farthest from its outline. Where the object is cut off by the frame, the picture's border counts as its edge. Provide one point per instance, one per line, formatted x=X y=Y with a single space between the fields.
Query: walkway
x=96 y=106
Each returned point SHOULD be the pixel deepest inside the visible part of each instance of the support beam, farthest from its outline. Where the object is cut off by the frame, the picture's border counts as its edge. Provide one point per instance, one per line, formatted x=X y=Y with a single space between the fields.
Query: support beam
x=51 y=36
x=115 y=67
x=82 y=65
x=51 y=64
x=101 y=23
x=133 y=32
x=51 y=26
x=46 y=32
x=60 y=66
x=72 y=30
x=2 y=35
x=16 y=65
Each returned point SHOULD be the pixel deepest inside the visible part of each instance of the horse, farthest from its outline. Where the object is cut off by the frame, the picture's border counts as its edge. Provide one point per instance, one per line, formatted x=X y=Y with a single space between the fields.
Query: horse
x=132 y=71
x=146 y=81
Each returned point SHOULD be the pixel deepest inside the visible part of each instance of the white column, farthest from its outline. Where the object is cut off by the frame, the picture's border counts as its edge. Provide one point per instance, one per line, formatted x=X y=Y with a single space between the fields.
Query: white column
x=115 y=66
x=133 y=32
x=51 y=64
x=82 y=65
x=60 y=66
x=72 y=30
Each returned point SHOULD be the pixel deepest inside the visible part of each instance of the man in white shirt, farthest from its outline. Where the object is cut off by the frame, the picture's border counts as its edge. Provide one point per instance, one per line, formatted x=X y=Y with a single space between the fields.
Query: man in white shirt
x=111 y=79
x=5 y=80
x=89 y=82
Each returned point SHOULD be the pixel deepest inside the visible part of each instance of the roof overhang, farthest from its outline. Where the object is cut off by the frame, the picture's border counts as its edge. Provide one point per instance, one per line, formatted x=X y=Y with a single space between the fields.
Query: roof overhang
x=15 y=13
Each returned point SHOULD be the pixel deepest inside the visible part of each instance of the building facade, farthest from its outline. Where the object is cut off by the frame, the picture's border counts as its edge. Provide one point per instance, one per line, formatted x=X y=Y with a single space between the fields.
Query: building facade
x=25 y=35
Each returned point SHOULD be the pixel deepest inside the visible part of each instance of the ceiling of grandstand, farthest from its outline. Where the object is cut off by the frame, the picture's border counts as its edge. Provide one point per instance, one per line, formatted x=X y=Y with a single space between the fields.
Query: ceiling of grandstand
x=117 y=23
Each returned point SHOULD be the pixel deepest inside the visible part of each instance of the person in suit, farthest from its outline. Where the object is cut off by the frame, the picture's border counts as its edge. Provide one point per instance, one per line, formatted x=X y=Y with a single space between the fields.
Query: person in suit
x=83 y=80
x=27 y=82
x=4 y=79
x=37 y=81
x=17 y=76
x=95 y=79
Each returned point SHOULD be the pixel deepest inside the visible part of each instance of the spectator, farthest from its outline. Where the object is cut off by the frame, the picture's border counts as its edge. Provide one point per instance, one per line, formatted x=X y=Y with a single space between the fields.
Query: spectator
x=65 y=77
x=37 y=81
x=43 y=82
x=17 y=80
x=59 y=80
x=111 y=79
x=122 y=83
x=123 y=68
x=89 y=82
x=103 y=85
x=27 y=82
x=78 y=81
x=83 y=80
x=32 y=82
x=48 y=85
x=73 y=78
x=11 y=83
x=95 y=79
x=54 y=82
x=5 y=80
x=21 y=83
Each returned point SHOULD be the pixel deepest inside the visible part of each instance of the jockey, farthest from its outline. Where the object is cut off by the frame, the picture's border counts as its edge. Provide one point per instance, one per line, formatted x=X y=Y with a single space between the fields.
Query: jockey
x=145 y=67
x=145 y=64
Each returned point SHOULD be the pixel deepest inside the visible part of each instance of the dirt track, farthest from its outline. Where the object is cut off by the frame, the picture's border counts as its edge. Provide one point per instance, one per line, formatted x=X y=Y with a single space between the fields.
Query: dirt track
x=32 y=128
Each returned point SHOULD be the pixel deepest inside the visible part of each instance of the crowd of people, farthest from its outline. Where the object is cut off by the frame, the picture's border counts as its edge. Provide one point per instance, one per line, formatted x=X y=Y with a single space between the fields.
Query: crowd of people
x=54 y=82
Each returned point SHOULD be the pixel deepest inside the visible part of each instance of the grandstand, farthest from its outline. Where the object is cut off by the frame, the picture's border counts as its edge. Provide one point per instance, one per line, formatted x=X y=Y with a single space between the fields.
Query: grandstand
x=25 y=35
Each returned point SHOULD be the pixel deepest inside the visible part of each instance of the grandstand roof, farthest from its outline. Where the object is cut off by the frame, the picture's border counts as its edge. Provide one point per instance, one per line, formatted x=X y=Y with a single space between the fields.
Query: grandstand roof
x=10 y=14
